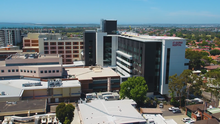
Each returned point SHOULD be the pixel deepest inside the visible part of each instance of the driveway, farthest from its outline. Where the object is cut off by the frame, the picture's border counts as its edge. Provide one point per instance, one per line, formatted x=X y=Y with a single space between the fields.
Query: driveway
x=170 y=115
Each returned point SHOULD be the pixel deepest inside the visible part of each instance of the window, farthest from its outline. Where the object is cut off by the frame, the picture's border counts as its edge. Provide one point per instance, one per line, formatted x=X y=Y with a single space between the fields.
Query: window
x=53 y=71
x=49 y=71
x=68 y=47
x=75 y=55
x=45 y=71
x=31 y=71
x=68 y=51
x=9 y=70
x=68 y=60
x=41 y=72
x=75 y=43
x=46 y=52
x=75 y=47
x=53 y=52
x=68 y=43
x=27 y=71
x=2 y=71
x=60 y=43
x=60 y=47
x=24 y=70
x=81 y=43
x=167 y=66
x=16 y=70
x=68 y=56
x=57 y=71
x=12 y=70
x=45 y=43
x=21 y=70
x=34 y=71
x=52 y=43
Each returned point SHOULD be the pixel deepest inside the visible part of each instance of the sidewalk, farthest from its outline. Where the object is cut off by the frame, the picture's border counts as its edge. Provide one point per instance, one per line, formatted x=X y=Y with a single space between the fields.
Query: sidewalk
x=76 y=119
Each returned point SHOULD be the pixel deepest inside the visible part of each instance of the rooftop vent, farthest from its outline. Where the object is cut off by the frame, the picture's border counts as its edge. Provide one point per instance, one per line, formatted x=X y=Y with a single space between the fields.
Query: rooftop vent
x=32 y=84
x=54 y=83
x=3 y=93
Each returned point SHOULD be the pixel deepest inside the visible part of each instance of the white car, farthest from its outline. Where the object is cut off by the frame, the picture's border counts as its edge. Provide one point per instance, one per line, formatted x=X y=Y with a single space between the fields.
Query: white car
x=172 y=108
x=190 y=122
x=186 y=120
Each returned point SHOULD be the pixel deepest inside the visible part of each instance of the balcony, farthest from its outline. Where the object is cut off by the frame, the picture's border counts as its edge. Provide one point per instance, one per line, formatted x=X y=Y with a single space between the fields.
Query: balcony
x=123 y=72
x=124 y=54
x=120 y=59
x=124 y=67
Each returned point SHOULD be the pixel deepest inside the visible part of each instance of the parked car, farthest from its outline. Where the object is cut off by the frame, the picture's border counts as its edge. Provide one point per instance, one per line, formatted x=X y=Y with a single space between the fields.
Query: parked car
x=172 y=108
x=161 y=105
x=176 y=111
x=190 y=122
x=186 y=120
x=159 y=98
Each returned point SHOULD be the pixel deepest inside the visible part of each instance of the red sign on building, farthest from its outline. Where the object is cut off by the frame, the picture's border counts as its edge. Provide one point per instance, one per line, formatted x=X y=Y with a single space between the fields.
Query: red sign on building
x=177 y=43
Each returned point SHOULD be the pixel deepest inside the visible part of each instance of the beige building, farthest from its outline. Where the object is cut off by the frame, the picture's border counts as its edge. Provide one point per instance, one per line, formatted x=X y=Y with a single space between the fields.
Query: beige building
x=69 y=49
x=31 y=65
x=54 y=90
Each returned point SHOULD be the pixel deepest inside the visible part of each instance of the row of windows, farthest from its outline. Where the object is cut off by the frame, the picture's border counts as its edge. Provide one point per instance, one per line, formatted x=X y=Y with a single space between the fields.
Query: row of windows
x=62 y=43
x=60 y=52
x=16 y=70
x=50 y=71
x=30 y=71
x=67 y=47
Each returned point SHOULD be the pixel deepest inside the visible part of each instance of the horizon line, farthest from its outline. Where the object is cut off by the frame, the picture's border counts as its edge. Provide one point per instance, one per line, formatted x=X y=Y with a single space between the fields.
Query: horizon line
x=118 y=24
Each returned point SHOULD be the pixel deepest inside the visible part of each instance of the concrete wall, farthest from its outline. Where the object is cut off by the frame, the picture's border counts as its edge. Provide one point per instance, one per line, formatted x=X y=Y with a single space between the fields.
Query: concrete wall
x=114 y=49
x=38 y=70
x=177 y=59
x=69 y=52
x=41 y=59
x=99 y=47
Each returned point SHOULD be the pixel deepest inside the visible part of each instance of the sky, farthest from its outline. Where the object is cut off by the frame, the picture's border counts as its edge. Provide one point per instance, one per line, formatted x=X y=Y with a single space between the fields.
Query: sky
x=124 y=11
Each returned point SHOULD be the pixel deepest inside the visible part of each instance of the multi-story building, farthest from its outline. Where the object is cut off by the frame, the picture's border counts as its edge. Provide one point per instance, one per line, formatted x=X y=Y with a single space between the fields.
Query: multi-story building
x=100 y=47
x=153 y=57
x=31 y=65
x=10 y=37
x=7 y=51
x=69 y=49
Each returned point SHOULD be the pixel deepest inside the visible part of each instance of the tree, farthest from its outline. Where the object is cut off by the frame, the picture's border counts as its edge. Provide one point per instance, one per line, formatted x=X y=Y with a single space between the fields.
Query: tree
x=195 y=59
x=67 y=121
x=215 y=52
x=196 y=85
x=176 y=86
x=134 y=88
x=64 y=111
x=208 y=59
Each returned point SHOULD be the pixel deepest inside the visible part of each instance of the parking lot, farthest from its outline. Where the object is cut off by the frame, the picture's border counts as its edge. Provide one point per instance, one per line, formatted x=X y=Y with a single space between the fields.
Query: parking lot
x=170 y=115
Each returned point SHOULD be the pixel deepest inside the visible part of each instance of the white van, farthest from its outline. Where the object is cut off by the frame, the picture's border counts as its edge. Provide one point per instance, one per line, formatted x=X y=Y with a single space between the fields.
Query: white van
x=109 y=97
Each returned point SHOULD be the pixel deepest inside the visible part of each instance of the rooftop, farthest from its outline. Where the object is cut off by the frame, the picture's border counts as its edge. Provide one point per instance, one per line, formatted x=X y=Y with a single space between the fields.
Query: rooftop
x=23 y=105
x=32 y=56
x=86 y=73
x=158 y=119
x=146 y=38
x=151 y=111
x=110 y=112
x=16 y=87
x=209 y=121
x=213 y=110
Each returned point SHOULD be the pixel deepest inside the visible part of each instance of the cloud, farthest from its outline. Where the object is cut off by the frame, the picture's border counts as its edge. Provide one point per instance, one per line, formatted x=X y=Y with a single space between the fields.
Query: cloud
x=189 y=13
